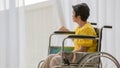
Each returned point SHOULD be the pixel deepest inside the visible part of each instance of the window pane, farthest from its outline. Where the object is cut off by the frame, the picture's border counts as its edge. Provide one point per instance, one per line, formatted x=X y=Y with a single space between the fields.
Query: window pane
x=28 y=2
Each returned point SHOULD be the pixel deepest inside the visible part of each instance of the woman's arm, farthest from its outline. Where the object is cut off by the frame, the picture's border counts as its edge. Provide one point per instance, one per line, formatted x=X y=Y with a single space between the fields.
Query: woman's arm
x=81 y=49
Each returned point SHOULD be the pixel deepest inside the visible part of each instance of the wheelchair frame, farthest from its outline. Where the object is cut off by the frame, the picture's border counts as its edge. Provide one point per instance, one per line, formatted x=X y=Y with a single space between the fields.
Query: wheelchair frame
x=86 y=57
x=61 y=33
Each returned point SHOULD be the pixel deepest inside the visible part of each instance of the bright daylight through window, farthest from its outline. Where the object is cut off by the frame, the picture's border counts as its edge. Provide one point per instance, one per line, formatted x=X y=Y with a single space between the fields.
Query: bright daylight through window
x=29 y=2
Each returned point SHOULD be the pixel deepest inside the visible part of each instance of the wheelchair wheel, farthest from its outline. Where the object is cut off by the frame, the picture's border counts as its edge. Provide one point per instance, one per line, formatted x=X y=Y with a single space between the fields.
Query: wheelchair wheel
x=40 y=63
x=92 y=56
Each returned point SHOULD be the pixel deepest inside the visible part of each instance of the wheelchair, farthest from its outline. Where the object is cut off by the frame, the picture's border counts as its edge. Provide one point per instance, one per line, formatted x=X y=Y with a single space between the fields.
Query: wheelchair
x=84 y=59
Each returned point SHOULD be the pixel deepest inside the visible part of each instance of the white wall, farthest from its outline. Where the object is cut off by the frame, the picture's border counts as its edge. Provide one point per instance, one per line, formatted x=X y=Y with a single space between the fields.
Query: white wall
x=40 y=23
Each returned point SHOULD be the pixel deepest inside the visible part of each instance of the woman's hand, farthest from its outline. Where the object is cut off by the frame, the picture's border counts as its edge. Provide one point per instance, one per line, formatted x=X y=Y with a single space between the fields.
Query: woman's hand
x=63 y=29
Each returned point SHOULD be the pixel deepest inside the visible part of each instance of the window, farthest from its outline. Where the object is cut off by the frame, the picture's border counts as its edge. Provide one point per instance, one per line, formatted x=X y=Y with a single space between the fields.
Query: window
x=29 y=2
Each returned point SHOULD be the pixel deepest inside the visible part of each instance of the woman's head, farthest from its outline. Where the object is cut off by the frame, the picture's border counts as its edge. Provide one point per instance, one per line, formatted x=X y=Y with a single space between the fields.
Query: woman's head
x=82 y=11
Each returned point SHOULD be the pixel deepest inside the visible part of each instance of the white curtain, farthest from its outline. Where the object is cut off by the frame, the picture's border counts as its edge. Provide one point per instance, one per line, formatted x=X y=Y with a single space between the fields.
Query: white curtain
x=12 y=34
x=108 y=14
x=64 y=11
x=104 y=12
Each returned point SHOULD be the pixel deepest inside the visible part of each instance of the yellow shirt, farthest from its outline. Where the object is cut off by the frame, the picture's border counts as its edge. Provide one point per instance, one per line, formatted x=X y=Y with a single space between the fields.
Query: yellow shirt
x=87 y=29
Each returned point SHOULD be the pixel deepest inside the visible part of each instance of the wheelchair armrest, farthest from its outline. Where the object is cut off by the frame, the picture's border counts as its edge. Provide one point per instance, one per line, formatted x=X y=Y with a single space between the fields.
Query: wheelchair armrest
x=64 y=32
x=81 y=37
x=58 y=33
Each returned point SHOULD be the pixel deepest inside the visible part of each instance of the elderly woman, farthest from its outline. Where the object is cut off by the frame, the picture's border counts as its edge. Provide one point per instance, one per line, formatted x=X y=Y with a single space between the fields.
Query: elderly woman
x=81 y=13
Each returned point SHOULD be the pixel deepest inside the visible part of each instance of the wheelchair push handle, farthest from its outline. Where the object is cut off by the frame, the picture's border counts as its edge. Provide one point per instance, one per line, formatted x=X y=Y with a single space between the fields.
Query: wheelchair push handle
x=92 y=23
x=106 y=26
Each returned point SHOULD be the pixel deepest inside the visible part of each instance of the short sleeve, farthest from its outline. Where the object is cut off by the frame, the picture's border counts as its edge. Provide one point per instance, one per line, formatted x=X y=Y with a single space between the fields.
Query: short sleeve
x=86 y=42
